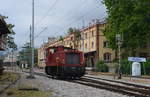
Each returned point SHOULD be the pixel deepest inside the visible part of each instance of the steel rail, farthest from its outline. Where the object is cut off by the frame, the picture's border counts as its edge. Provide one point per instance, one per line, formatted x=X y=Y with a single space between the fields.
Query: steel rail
x=126 y=88
x=122 y=82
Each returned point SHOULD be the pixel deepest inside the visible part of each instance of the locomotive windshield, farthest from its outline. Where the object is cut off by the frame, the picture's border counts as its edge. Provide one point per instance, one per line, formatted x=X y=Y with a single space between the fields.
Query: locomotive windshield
x=72 y=58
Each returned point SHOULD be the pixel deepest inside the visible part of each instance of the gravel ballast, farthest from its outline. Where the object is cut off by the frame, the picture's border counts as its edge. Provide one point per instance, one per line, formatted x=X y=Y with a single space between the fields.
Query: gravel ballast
x=60 y=88
x=67 y=89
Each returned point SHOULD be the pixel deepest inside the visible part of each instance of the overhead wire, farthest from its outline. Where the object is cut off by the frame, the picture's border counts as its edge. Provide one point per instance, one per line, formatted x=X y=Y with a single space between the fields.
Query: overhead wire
x=47 y=12
x=40 y=33
x=79 y=18
x=45 y=15
x=84 y=2
x=74 y=21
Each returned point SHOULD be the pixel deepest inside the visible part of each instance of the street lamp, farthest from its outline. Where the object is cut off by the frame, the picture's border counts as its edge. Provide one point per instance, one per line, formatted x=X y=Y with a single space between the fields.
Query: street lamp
x=119 y=43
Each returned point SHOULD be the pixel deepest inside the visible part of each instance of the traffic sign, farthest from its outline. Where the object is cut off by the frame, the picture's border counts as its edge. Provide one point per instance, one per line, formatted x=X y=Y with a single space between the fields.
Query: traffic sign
x=136 y=59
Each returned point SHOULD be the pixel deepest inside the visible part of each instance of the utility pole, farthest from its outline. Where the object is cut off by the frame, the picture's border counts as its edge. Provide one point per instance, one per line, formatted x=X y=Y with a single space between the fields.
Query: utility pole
x=32 y=43
x=119 y=43
x=12 y=59
x=82 y=38
x=30 y=50
x=83 y=35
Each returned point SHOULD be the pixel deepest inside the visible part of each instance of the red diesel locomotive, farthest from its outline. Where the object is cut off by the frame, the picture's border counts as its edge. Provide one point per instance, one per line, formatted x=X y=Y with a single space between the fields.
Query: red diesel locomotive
x=64 y=62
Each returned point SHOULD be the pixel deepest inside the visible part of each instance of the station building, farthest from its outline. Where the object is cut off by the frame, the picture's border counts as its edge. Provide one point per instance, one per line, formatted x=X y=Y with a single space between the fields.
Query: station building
x=67 y=41
x=92 y=42
x=95 y=45
x=42 y=55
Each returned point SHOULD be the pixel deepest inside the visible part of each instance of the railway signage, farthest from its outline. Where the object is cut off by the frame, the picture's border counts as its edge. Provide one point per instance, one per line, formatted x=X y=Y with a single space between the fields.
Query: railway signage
x=136 y=59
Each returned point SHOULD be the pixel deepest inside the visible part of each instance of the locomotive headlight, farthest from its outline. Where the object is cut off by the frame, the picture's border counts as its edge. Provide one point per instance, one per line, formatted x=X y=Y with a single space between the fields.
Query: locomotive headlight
x=63 y=61
x=57 y=59
x=82 y=63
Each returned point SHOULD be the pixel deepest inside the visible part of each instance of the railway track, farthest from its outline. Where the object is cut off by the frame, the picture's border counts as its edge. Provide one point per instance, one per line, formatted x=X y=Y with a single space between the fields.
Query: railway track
x=122 y=82
x=130 y=89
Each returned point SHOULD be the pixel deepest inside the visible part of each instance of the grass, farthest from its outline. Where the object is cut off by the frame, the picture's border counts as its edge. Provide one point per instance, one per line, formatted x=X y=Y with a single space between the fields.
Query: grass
x=4 y=76
x=15 y=92
x=24 y=90
x=7 y=77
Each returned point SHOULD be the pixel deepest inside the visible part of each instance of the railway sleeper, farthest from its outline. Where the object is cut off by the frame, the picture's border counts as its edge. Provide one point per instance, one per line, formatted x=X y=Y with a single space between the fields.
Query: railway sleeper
x=131 y=84
x=106 y=87
x=143 y=91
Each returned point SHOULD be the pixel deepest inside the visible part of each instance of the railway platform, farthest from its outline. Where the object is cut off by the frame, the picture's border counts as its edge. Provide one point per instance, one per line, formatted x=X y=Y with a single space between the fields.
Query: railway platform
x=144 y=80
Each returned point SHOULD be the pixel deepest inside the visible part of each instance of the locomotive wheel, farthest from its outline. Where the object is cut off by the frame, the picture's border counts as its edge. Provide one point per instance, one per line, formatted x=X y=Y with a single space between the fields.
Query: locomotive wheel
x=46 y=70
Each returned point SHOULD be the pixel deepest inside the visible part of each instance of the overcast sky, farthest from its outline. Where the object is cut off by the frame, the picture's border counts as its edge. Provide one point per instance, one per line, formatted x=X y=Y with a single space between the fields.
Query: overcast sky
x=55 y=16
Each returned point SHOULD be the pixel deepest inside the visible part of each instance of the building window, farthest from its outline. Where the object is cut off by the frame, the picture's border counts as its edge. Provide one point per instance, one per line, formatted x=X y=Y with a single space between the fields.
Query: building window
x=80 y=46
x=86 y=45
x=71 y=38
x=92 y=33
x=107 y=57
x=145 y=55
x=92 y=44
x=85 y=35
x=105 y=44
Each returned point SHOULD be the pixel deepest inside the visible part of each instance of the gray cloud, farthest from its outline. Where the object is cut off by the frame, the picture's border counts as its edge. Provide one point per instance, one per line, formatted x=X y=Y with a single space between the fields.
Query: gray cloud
x=66 y=13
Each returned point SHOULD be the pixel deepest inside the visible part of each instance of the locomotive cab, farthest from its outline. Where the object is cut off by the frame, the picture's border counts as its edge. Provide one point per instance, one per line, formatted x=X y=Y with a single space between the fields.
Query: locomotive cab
x=64 y=62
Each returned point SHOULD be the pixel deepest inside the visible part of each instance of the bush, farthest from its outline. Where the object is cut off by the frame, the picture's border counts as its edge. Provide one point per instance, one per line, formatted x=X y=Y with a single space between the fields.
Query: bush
x=101 y=67
x=126 y=67
x=147 y=67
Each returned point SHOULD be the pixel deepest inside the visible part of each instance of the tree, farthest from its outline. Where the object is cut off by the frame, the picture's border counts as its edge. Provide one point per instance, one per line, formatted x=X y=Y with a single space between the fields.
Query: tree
x=70 y=30
x=101 y=66
x=25 y=54
x=130 y=18
x=10 y=40
x=77 y=36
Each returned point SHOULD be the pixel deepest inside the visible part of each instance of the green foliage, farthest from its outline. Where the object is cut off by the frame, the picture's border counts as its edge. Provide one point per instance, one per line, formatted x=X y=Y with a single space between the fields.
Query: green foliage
x=11 y=43
x=61 y=38
x=10 y=27
x=75 y=31
x=77 y=36
x=10 y=40
x=126 y=67
x=147 y=67
x=101 y=67
x=131 y=18
x=70 y=31
x=25 y=54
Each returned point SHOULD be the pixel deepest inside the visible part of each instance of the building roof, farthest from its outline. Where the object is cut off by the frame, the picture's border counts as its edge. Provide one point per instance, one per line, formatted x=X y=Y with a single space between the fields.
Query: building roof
x=3 y=27
x=94 y=24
